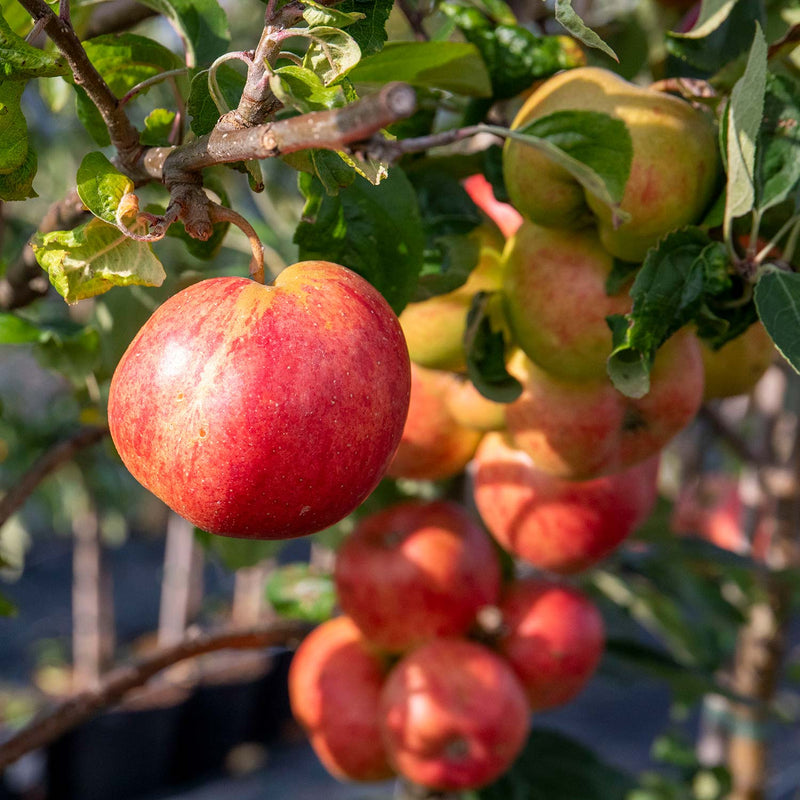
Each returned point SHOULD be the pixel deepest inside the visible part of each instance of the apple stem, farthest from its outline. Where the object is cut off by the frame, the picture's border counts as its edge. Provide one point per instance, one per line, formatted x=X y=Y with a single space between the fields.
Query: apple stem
x=220 y=213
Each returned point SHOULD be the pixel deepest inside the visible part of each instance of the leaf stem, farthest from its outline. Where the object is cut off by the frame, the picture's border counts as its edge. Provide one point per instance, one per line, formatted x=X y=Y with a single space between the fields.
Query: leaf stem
x=152 y=81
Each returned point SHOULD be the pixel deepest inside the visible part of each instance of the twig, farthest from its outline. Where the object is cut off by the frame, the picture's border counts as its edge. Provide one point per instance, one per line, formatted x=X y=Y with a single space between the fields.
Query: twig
x=124 y=135
x=152 y=81
x=115 y=16
x=415 y=18
x=122 y=680
x=51 y=460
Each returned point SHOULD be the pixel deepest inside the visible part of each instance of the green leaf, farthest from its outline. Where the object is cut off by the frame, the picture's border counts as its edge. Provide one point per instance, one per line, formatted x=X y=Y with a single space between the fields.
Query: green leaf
x=201 y=106
x=574 y=25
x=485 y=348
x=331 y=54
x=13 y=128
x=16 y=330
x=124 y=60
x=202 y=24
x=101 y=186
x=554 y=767
x=157 y=127
x=453 y=66
x=374 y=230
x=18 y=184
x=744 y=121
x=20 y=61
x=370 y=32
x=73 y=352
x=7 y=608
x=300 y=88
x=93 y=258
x=667 y=293
x=722 y=35
x=777 y=299
x=594 y=148
x=778 y=150
x=237 y=553
x=298 y=591
x=317 y=14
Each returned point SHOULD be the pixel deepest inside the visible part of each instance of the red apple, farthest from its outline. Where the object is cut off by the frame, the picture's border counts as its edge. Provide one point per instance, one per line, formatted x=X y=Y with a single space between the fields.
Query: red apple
x=556 y=524
x=453 y=715
x=433 y=445
x=712 y=508
x=553 y=637
x=549 y=274
x=470 y=408
x=264 y=412
x=414 y=571
x=335 y=681
x=583 y=429
x=507 y=217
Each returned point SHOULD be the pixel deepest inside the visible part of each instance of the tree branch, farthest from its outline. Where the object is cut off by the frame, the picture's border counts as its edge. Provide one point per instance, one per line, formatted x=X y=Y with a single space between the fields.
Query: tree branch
x=50 y=461
x=116 y=16
x=124 y=135
x=122 y=680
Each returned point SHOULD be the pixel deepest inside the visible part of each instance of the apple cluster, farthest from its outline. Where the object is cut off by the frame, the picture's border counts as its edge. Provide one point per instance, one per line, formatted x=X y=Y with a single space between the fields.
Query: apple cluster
x=434 y=667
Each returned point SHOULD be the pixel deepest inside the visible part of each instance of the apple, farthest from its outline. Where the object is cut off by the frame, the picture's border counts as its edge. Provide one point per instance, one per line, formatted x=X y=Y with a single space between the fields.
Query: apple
x=434 y=328
x=556 y=524
x=470 y=408
x=335 y=683
x=583 y=429
x=414 y=571
x=739 y=364
x=453 y=715
x=506 y=217
x=712 y=508
x=264 y=412
x=673 y=173
x=549 y=273
x=553 y=636
x=433 y=445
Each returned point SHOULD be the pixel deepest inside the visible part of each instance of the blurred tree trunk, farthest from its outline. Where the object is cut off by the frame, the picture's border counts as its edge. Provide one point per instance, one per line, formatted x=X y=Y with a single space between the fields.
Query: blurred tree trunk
x=92 y=604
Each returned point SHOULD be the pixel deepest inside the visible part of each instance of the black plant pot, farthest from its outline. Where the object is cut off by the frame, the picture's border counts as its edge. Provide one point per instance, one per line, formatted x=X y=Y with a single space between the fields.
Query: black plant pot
x=218 y=715
x=122 y=754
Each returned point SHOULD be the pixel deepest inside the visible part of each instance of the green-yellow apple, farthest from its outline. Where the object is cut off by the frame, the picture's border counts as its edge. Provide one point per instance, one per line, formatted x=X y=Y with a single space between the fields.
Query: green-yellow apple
x=553 y=636
x=554 y=294
x=335 y=682
x=737 y=366
x=264 y=412
x=454 y=716
x=673 y=172
x=583 y=429
x=507 y=217
x=414 y=571
x=433 y=445
x=556 y=524
x=434 y=328
x=471 y=409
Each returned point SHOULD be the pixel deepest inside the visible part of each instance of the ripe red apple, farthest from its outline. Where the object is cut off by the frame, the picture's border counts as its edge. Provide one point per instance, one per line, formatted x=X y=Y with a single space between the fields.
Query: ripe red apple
x=556 y=524
x=453 y=715
x=433 y=445
x=549 y=273
x=582 y=429
x=335 y=681
x=415 y=571
x=713 y=509
x=553 y=637
x=264 y=412
x=507 y=217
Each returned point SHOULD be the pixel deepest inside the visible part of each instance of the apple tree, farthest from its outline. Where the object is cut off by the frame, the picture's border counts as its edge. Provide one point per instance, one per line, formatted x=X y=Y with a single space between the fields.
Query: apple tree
x=482 y=291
